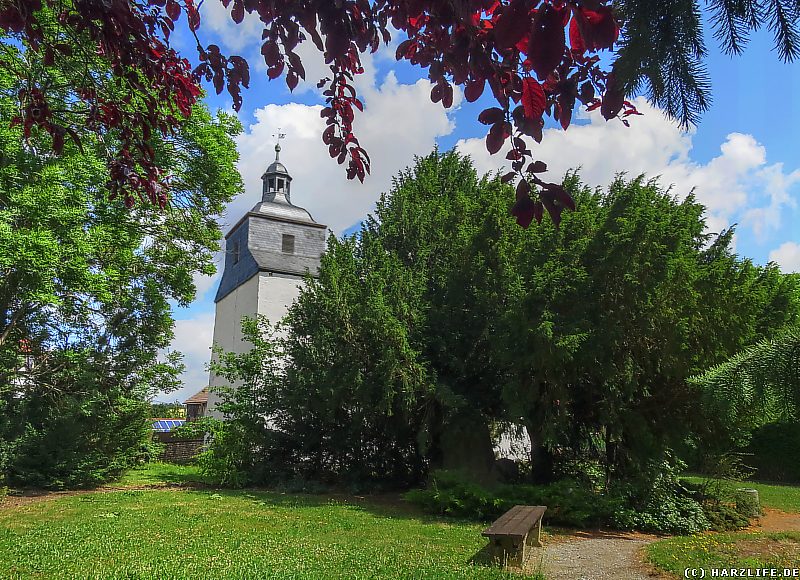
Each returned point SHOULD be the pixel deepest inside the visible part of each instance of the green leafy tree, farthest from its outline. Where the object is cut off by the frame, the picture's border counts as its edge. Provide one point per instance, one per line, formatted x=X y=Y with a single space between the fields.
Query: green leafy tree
x=619 y=306
x=85 y=291
x=440 y=320
x=757 y=386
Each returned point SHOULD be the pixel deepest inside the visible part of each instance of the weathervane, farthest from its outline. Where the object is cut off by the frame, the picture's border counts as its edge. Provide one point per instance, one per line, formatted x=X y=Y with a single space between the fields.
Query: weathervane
x=278 y=136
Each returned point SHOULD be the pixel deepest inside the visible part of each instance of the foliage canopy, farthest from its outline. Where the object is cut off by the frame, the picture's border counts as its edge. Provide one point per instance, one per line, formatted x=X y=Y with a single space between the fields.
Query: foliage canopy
x=440 y=321
x=536 y=56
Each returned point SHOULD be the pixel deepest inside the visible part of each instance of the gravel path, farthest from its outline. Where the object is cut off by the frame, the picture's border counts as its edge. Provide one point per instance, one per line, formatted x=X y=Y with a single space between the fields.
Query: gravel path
x=596 y=556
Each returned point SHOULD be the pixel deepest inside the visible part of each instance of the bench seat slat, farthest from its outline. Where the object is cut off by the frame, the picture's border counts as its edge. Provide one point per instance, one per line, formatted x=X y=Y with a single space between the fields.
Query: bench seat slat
x=516 y=522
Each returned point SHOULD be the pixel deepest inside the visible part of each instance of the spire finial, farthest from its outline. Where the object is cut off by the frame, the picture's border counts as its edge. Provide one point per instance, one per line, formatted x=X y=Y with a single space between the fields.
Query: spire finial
x=278 y=136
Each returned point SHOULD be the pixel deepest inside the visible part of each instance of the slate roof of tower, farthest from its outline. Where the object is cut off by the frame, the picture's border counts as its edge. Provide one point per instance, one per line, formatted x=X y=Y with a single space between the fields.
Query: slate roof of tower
x=257 y=235
x=282 y=209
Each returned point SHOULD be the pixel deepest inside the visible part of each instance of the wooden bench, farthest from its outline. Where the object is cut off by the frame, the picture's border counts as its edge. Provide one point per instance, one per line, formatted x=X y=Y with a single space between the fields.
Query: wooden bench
x=514 y=532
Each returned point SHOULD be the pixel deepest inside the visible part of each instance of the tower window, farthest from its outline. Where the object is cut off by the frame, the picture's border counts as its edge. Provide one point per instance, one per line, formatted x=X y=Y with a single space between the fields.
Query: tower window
x=271 y=182
x=288 y=244
x=280 y=184
x=236 y=252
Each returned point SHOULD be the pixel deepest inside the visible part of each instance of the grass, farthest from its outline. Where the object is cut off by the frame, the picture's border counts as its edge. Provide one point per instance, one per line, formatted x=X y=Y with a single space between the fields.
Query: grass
x=780 y=497
x=174 y=534
x=162 y=474
x=735 y=550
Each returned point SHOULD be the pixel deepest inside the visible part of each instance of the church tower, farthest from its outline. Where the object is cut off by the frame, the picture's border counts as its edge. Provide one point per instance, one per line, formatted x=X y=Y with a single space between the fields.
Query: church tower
x=267 y=253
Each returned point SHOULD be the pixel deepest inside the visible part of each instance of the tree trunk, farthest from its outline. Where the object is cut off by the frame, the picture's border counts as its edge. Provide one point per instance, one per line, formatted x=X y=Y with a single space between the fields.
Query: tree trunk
x=541 y=458
x=466 y=446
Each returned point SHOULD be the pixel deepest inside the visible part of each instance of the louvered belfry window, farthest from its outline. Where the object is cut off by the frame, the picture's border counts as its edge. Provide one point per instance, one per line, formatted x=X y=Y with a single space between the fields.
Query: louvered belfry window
x=288 y=244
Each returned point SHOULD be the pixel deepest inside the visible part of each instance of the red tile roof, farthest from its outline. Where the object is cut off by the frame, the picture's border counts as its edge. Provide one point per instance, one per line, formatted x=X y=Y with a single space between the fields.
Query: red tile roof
x=197 y=398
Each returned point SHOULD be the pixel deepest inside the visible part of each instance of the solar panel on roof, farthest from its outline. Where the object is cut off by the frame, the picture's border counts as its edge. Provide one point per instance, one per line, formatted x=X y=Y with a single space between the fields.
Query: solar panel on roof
x=166 y=425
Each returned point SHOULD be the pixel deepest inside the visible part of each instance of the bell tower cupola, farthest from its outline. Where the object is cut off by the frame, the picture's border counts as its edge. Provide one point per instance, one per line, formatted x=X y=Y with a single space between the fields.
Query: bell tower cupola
x=277 y=181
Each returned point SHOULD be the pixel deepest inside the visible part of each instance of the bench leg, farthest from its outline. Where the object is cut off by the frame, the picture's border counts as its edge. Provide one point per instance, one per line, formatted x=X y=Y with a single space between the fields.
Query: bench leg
x=535 y=536
x=507 y=553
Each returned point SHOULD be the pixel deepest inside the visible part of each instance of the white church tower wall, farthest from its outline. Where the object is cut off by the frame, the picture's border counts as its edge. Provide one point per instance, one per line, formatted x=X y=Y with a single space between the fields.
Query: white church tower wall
x=267 y=254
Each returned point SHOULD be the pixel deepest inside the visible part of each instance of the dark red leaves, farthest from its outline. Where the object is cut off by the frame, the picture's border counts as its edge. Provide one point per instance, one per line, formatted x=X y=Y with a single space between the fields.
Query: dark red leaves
x=501 y=43
x=443 y=91
x=491 y=116
x=473 y=90
x=565 y=104
x=523 y=189
x=559 y=195
x=173 y=10
x=241 y=68
x=524 y=210
x=296 y=65
x=512 y=24
x=58 y=140
x=577 y=46
x=538 y=211
x=603 y=29
x=238 y=11
x=548 y=42
x=537 y=167
x=291 y=81
x=194 y=15
x=497 y=136
x=613 y=99
x=586 y=93
x=533 y=98
x=274 y=72
x=554 y=209
x=271 y=53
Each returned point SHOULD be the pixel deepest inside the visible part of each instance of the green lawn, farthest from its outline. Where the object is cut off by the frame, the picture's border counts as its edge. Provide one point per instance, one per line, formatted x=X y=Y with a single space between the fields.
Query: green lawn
x=736 y=550
x=781 y=497
x=162 y=474
x=171 y=534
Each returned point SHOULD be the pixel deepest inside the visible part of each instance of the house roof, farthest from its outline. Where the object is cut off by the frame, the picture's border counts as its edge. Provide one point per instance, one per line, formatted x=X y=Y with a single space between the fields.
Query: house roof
x=198 y=398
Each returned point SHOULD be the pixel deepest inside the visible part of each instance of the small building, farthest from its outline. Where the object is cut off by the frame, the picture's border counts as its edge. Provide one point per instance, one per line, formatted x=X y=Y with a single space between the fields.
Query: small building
x=176 y=449
x=196 y=405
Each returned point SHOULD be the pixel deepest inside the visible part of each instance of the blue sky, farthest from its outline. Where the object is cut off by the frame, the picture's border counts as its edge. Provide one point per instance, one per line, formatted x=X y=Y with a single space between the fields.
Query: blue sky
x=741 y=159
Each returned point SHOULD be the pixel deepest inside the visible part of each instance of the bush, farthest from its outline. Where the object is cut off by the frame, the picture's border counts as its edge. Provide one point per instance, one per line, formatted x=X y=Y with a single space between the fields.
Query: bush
x=224 y=459
x=568 y=503
x=721 y=506
x=150 y=451
x=659 y=502
x=724 y=518
x=75 y=443
x=675 y=514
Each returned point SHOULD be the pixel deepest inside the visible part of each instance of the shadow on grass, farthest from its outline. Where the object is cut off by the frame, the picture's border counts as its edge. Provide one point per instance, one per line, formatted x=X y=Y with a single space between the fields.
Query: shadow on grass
x=483 y=557
x=161 y=475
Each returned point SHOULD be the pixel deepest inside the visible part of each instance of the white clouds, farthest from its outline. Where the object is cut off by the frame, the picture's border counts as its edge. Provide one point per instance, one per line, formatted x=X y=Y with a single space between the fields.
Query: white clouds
x=787 y=256
x=217 y=18
x=193 y=338
x=398 y=122
x=737 y=184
